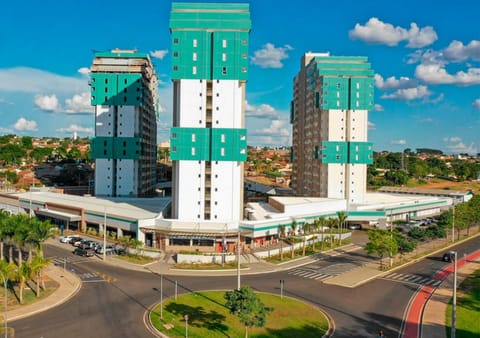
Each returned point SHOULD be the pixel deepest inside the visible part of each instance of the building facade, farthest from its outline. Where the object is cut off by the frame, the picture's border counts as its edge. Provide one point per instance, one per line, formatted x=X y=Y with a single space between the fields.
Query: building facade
x=208 y=143
x=329 y=114
x=124 y=94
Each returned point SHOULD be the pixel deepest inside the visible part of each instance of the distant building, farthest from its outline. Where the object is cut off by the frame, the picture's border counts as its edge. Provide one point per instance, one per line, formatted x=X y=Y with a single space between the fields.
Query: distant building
x=329 y=113
x=124 y=94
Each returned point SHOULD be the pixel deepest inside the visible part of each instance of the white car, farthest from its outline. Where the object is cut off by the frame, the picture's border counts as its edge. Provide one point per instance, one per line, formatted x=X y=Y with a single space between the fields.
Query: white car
x=65 y=239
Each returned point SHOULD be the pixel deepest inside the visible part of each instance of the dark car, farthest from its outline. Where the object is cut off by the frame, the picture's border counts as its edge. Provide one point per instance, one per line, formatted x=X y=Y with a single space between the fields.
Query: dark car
x=448 y=256
x=86 y=252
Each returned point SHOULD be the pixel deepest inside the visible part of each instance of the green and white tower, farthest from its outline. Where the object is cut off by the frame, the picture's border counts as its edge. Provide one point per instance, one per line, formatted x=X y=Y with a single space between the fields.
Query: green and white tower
x=329 y=113
x=208 y=143
x=124 y=94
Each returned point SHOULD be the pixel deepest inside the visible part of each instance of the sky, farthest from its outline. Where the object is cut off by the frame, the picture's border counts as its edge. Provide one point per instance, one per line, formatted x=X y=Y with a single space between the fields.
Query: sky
x=425 y=55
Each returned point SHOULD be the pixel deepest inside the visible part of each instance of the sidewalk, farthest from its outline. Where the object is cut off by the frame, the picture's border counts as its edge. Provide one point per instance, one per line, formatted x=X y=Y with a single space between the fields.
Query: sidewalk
x=69 y=284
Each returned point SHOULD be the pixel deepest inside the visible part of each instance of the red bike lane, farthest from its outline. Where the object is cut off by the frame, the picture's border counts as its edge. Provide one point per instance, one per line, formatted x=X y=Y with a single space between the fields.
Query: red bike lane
x=414 y=315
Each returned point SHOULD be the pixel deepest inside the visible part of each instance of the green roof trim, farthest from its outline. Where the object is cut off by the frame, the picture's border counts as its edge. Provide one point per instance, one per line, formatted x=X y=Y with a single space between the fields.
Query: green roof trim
x=122 y=55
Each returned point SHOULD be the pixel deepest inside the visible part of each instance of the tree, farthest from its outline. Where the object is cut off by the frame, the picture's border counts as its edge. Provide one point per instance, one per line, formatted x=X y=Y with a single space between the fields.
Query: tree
x=23 y=273
x=316 y=226
x=321 y=223
x=37 y=266
x=294 y=229
x=381 y=243
x=341 y=218
x=281 y=234
x=306 y=229
x=247 y=306
x=40 y=231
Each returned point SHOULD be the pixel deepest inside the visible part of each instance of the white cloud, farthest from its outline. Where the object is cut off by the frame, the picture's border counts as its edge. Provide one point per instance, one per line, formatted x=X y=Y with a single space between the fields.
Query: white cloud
x=393 y=83
x=36 y=81
x=371 y=126
x=276 y=134
x=452 y=139
x=85 y=71
x=6 y=131
x=426 y=120
x=264 y=111
x=159 y=54
x=476 y=104
x=398 y=142
x=377 y=107
x=24 y=125
x=79 y=103
x=75 y=128
x=463 y=148
x=436 y=74
x=409 y=94
x=47 y=103
x=379 y=32
x=270 y=56
x=457 y=51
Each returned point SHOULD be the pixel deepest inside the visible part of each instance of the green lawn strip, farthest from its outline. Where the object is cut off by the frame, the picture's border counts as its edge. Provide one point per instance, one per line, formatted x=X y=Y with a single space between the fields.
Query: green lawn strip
x=287 y=252
x=136 y=259
x=468 y=309
x=208 y=317
x=208 y=266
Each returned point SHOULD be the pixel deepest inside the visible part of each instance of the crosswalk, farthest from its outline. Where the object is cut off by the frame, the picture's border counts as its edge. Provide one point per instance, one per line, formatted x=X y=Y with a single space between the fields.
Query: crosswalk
x=320 y=273
x=84 y=276
x=412 y=279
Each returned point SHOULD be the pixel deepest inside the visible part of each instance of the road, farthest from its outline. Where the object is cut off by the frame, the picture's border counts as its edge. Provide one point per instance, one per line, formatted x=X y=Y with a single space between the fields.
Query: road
x=112 y=300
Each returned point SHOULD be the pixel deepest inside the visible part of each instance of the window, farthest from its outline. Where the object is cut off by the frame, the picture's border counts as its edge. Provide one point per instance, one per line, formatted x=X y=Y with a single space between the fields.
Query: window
x=195 y=43
x=194 y=56
x=222 y=138
x=358 y=85
x=244 y=42
x=175 y=68
x=338 y=94
x=194 y=70
x=224 y=70
x=224 y=57
x=175 y=41
x=224 y=43
x=193 y=151
x=222 y=153
x=358 y=95
x=243 y=137
x=244 y=69
x=338 y=85
x=194 y=137
x=244 y=55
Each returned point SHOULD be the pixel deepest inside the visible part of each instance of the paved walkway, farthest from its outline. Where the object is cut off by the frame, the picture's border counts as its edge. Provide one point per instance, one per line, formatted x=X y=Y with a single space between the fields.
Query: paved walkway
x=69 y=283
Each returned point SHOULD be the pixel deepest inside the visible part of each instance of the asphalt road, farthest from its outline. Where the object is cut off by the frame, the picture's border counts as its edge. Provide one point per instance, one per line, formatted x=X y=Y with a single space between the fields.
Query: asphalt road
x=112 y=301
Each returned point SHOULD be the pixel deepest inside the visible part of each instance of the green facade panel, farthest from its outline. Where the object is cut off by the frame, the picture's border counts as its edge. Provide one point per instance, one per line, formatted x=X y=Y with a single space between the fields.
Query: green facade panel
x=360 y=152
x=334 y=152
x=208 y=144
x=347 y=152
x=115 y=148
x=190 y=144
x=116 y=89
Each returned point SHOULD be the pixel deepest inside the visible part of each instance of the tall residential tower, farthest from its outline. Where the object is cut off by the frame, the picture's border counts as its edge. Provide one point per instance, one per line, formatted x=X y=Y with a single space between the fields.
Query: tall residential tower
x=208 y=142
x=124 y=93
x=329 y=113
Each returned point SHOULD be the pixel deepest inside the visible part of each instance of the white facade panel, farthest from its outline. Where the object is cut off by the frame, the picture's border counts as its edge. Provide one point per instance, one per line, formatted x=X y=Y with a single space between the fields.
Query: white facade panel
x=336 y=125
x=190 y=193
x=127 y=179
x=357 y=182
x=192 y=103
x=358 y=122
x=103 y=125
x=227 y=101
x=226 y=191
x=103 y=177
x=335 y=179
x=127 y=121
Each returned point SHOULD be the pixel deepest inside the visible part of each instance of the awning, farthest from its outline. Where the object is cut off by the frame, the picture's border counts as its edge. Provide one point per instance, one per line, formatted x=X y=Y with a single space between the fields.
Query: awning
x=63 y=216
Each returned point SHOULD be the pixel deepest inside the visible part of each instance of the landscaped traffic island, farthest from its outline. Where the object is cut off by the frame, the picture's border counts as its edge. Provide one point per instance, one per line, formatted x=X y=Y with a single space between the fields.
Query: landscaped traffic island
x=208 y=316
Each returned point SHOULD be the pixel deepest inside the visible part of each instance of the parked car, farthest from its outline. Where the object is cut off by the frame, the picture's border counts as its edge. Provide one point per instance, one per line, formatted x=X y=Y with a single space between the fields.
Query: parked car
x=86 y=252
x=109 y=250
x=65 y=239
x=355 y=226
x=448 y=256
x=76 y=241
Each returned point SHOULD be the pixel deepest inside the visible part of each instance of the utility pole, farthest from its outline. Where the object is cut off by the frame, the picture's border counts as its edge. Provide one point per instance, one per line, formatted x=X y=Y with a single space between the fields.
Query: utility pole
x=238 y=259
x=454 y=301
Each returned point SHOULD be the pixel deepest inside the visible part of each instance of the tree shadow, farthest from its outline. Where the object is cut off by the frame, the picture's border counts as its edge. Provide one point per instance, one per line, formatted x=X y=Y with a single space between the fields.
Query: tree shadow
x=307 y=331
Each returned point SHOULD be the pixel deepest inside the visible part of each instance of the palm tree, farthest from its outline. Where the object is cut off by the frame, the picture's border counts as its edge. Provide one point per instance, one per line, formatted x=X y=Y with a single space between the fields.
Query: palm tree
x=332 y=222
x=342 y=217
x=294 y=229
x=306 y=229
x=9 y=233
x=316 y=226
x=23 y=273
x=20 y=236
x=4 y=216
x=40 y=231
x=321 y=222
x=281 y=234
x=37 y=266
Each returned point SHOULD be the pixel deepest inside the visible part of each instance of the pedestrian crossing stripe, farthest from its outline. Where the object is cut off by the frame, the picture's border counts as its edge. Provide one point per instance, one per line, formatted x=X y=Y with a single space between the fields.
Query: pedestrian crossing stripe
x=414 y=279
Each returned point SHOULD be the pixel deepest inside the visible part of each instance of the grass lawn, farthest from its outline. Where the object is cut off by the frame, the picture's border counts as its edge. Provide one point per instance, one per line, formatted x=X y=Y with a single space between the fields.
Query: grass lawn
x=135 y=259
x=208 y=317
x=208 y=266
x=468 y=309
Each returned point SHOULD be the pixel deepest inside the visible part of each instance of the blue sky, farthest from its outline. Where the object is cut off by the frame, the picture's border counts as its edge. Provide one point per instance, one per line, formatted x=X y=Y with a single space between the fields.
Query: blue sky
x=426 y=56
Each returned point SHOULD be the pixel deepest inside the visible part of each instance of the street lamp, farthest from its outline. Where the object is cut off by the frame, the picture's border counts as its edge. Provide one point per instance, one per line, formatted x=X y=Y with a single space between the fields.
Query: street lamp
x=453 y=222
x=454 y=301
x=6 y=301
x=238 y=258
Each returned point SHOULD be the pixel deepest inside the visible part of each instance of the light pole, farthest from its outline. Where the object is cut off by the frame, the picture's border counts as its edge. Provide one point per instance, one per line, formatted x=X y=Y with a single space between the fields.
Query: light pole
x=104 y=233
x=6 y=301
x=454 y=301
x=391 y=238
x=453 y=222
